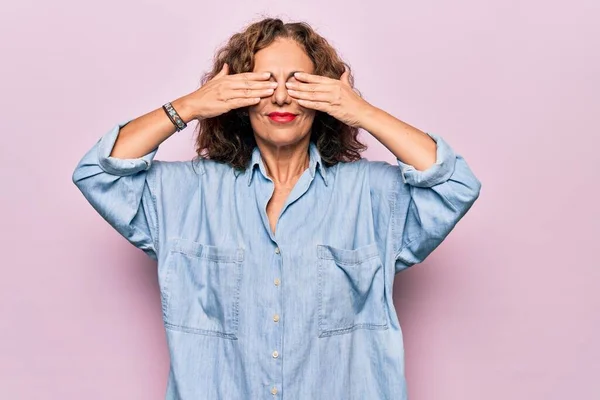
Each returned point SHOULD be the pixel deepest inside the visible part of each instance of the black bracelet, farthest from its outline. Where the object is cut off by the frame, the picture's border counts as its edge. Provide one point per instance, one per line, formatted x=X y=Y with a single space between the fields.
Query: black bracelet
x=174 y=117
x=169 y=115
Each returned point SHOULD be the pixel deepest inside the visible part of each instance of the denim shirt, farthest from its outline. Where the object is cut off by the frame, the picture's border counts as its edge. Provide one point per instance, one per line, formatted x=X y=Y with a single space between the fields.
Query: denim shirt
x=302 y=313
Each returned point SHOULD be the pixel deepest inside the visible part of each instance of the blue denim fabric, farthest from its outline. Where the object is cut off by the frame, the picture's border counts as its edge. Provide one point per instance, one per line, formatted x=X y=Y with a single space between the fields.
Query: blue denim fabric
x=305 y=313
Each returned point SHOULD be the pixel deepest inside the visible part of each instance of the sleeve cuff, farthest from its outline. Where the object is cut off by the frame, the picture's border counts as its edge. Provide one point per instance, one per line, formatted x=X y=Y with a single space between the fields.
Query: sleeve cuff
x=438 y=173
x=120 y=166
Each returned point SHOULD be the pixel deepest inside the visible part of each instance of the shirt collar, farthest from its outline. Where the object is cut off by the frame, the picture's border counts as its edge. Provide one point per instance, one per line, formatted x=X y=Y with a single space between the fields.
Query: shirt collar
x=315 y=163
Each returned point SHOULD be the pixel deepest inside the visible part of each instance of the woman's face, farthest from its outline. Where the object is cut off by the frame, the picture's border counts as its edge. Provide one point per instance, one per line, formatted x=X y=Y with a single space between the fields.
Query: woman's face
x=281 y=58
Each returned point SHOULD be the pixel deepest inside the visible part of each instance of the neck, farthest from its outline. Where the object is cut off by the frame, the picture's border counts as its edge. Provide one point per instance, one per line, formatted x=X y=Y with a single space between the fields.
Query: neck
x=285 y=164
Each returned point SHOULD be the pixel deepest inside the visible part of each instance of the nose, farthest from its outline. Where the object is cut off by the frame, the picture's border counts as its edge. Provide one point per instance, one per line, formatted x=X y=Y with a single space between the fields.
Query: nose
x=280 y=95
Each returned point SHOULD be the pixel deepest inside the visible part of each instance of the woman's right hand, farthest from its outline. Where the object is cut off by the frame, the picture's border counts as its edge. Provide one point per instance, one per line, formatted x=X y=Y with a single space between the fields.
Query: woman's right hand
x=221 y=94
x=225 y=92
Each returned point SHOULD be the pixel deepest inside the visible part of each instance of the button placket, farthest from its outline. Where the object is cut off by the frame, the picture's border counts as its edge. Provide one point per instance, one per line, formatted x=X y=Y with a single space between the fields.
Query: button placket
x=275 y=354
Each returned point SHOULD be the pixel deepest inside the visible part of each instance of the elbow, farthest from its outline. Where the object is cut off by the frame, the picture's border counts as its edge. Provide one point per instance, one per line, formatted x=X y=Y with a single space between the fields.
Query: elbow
x=468 y=186
x=475 y=189
x=75 y=176
x=464 y=195
x=469 y=195
x=78 y=175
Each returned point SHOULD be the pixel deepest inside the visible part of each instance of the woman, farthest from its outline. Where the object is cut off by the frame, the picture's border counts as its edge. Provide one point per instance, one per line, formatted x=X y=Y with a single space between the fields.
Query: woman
x=277 y=247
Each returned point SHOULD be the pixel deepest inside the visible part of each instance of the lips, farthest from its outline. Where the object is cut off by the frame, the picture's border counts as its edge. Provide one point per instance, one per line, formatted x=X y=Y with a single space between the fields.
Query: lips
x=282 y=117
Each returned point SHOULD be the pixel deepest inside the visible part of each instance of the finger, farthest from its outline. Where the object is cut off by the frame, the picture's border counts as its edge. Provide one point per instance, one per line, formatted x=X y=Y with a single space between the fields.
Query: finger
x=315 y=105
x=248 y=84
x=345 y=78
x=308 y=87
x=251 y=76
x=246 y=79
x=237 y=103
x=315 y=96
x=249 y=93
x=310 y=78
x=224 y=71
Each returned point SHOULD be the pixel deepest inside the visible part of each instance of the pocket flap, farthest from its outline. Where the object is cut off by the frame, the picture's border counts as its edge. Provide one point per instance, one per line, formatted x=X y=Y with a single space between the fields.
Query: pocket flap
x=214 y=253
x=346 y=256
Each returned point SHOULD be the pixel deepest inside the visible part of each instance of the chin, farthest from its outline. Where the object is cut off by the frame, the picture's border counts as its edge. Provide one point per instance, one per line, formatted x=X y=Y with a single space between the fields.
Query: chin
x=281 y=137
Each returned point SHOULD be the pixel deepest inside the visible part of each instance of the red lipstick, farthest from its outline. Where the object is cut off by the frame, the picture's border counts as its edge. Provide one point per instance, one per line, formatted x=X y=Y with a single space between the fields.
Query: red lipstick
x=282 y=117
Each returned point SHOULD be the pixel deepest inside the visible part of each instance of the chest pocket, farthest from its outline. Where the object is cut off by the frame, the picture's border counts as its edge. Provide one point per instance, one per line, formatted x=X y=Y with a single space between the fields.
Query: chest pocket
x=202 y=288
x=351 y=290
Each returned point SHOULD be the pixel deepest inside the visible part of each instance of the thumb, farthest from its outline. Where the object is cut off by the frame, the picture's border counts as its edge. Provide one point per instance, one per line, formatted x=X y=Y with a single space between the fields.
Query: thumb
x=224 y=71
x=346 y=76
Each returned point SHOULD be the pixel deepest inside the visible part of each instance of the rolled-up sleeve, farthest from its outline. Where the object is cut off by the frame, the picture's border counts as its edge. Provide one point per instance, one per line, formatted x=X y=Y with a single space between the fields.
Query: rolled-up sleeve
x=438 y=173
x=424 y=206
x=122 y=191
x=428 y=204
x=120 y=166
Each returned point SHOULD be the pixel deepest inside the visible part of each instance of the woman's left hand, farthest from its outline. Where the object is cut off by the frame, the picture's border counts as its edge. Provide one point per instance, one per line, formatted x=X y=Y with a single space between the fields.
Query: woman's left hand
x=333 y=96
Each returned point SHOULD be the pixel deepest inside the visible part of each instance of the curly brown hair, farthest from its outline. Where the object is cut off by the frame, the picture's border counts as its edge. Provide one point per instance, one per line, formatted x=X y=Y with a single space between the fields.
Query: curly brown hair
x=229 y=137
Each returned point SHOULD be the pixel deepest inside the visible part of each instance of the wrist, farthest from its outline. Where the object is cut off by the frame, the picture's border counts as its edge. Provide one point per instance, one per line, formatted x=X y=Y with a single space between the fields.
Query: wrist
x=367 y=117
x=184 y=108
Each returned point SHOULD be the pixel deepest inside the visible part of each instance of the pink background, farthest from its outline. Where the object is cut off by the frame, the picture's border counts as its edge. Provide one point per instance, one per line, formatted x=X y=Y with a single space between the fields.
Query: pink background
x=507 y=308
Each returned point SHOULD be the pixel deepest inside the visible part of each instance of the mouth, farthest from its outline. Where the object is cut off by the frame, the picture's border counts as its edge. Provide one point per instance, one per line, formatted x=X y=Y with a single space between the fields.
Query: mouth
x=282 y=117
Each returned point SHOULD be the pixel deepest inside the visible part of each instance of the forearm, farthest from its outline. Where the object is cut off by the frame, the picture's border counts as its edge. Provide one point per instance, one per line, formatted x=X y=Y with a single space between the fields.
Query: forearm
x=409 y=144
x=145 y=133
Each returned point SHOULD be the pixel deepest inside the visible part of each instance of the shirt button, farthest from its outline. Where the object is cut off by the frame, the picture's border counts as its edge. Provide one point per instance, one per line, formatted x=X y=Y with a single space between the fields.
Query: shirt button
x=275 y=354
x=274 y=391
x=277 y=282
x=276 y=317
x=277 y=251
